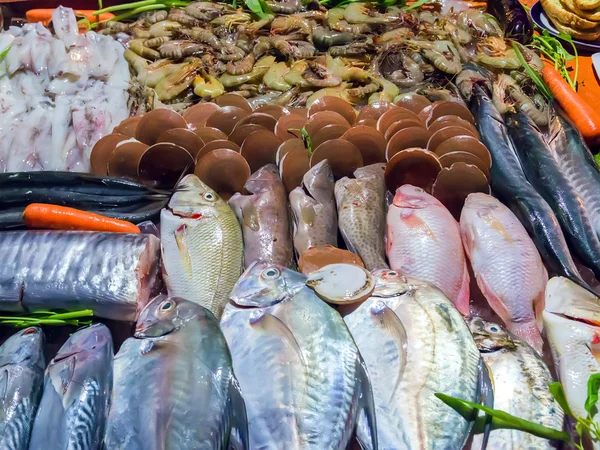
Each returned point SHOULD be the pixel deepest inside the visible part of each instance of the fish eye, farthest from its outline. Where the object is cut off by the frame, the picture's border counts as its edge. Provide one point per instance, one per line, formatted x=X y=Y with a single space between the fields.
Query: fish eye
x=30 y=331
x=167 y=305
x=209 y=196
x=494 y=328
x=270 y=274
x=392 y=273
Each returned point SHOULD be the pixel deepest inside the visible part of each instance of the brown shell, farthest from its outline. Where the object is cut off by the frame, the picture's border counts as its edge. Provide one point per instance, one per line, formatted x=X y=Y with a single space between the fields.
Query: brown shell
x=367 y=122
x=415 y=166
x=335 y=104
x=292 y=167
x=447 y=121
x=449 y=108
x=214 y=145
x=328 y=132
x=369 y=141
x=224 y=170
x=424 y=114
x=241 y=132
x=392 y=116
x=401 y=125
x=455 y=183
x=198 y=114
x=125 y=159
x=103 y=150
x=374 y=110
x=446 y=133
x=414 y=102
x=321 y=119
x=288 y=146
x=275 y=111
x=233 y=100
x=163 y=164
x=287 y=126
x=343 y=156
x=407 y=138
x=317 y=257
x=208 y=134
x=226 y=118
x=260 y=148
x=155 y=123
x=264 y=120
x=465 y=144
x=300 y=111
x=185 y=138
x=448 y=159
x=128 y=127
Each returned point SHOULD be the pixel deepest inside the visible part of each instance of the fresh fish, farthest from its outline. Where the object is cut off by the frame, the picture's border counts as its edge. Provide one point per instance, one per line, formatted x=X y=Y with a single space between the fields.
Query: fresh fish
x=510 y=185
x=423 y=242
x=361 y=215
x=415 y=344
x=114 y=274
x=201 y=244
x=506 y=264
x=313 y=209
x=77 y=390
x=281 y=335
x=21 y=379
x=520 y=380
x=174 y=386
x=552 y=182
x=264 y=217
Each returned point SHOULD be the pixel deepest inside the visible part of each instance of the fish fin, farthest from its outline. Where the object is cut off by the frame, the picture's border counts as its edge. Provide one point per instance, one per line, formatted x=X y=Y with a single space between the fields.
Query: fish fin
x=414 y=221
x=367 y=406
x=274 y=323
x=184 y=251
x=308 y=214
x=486 y=387
x=238 y=439
x=463 y=298
x=250 y=215
x=348 y=242
x=494 y=301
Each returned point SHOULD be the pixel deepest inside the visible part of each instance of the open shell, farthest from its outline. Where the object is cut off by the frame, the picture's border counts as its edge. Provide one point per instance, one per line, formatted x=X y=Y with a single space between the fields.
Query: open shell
x=226 y=118
x=414 y=102
x=233 y=100
x=446 y=133
x=343 y=156
x=342 y=283
x=407 y=138
x=155 y=123
x=415 y=166
x=369 y=141
x=198 y=114
x=335 y=104
x=184 y=138
x=328 y=132
x=163 y=164
x=102 y=152
x=260 y=148
x=224 y=170
x=317 y=257
x=292 y=167
x=455 y=183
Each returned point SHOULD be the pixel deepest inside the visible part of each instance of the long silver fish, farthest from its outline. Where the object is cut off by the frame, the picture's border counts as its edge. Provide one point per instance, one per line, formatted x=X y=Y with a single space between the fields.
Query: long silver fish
x=21 y=379
x=361 y=210
x=174 y=385
x=304 y=382
x=114 y=274
x=415 y=343
x=264 y=217
x=77 y=389
x=201 y=244
x=313 y=209
x=520 y=379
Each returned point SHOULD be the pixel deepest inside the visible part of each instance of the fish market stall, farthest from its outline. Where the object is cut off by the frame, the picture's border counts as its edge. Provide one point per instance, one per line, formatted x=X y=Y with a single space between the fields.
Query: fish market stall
x=321 y=225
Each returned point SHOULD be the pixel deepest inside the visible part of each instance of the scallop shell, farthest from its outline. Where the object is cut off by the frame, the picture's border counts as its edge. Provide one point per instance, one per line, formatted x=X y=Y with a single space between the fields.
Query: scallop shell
x=335 y=104
x=163 y=164
x=407 y=138
x=374 y=110
x=415 y=166
x=233 y=100
x=446 y=133
x=128 y=127
x=102 y=152
x=465 y=144
x=342 y=283
x=197 y=115
x=260 y=148
x=401 y=125
x=292 y=167
x=414 y=102
x=214 y=145
x=449 y=108
x=455 y=183
x=208 y=134
x=343 y=156
x=288 y=126
x=184 y=138
x=155 y=123
x=224 y=170
x=226 y=118
x=369 y=141
x=328 y=132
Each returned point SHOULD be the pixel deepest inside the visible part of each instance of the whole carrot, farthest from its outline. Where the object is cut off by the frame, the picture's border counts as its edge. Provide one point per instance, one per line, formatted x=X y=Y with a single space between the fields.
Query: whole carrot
x=585 y=118
x=55 y=217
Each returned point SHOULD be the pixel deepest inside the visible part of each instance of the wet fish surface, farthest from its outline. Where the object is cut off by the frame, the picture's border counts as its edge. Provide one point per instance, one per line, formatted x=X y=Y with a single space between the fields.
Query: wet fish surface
x=21 y=381
x=423 y=241
x=281 y=335
x=313 y=209
x=361 y=215
x=507 y=266
x=264 y=217
x=201 y=245
x=174 y=386
x=520 y=379
x=114 y=274
x=77 y=390
x=415 y=343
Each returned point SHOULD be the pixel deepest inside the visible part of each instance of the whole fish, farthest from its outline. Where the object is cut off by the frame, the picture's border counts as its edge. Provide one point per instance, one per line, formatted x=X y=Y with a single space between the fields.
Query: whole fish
x=201 y=244
x=423 y=242
x=114 y=274
x=21 y=379
x=415 y=344
x=509 y=183
x=506 y=264
x=174 y=386
x=552 y=182
x=281 y=335
x=264 y=217
x=77 y=390
x=361 y=215
x=520 y=379
x=313 y=209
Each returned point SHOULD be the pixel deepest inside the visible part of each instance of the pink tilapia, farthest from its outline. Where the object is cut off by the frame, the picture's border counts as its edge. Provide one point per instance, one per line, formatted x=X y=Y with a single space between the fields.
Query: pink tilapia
x=507 y=266
x=423 y=241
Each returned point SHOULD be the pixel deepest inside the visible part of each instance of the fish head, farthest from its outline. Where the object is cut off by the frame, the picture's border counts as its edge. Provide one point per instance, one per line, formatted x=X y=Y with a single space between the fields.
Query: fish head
x=263 y=179
x=413 y=198
x=389 y=283
x=319 y=182
x=264 y=284
x=24 y=347
x=85 y=344
x=165 y=314
x=195 y=200
x=489 y=336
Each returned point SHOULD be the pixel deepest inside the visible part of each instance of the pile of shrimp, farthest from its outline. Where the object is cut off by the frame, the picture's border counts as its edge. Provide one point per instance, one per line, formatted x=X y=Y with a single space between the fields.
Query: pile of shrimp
x=360 y=52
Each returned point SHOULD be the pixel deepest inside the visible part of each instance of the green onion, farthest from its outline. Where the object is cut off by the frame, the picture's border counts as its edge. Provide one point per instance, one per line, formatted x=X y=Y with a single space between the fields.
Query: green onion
x=536 y=78
x=44 y=317
x=4 y=52
x=418 y=4
x=554 y=51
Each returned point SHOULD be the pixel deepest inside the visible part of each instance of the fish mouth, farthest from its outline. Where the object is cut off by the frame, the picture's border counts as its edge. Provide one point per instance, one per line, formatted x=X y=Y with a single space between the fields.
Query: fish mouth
x=63 y=356
x=406 y=204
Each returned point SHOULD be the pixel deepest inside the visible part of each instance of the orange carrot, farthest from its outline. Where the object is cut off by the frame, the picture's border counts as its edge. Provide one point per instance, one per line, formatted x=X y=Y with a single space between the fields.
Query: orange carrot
x=55 y=217
x=585 y=118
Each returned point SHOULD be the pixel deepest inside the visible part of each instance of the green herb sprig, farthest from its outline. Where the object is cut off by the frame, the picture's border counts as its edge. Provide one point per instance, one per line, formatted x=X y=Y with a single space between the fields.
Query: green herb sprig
x=45 y=317
x=554 y=51
x=535 y=77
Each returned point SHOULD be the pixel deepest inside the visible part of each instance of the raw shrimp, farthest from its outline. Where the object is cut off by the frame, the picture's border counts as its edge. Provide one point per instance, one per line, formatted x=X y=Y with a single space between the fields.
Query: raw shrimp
x=442 y=54
x=286 y=24
x=178 y=15
x=241 y=67
x=261 y=46
x=205 y=36
x=293 y=49
x=365 y=13
x=362 y=91
x=481 y=23
x=156 y=42
x=354 y=49
x=319 y=76
x=138 y=47
x=206 y=85
x=157 y=16
x=205 y=11
x=174 y=84
x=164 y=28
x=275 y=77
x=180 y=49
x=336 y=21
x=324 y=38
x=284 y=6
x=260 y=68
